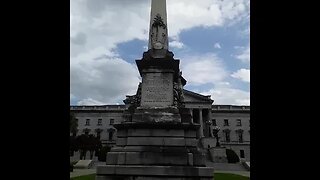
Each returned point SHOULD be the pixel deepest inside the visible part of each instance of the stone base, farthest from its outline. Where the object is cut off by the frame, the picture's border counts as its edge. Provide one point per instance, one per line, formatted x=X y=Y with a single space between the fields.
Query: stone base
x=157 y=115
x=218 y=155
x=120 y=172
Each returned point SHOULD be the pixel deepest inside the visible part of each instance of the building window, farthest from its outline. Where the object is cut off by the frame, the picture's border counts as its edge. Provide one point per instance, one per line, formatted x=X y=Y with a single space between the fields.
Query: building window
x=226 y=122
x=241 y=153
x=99 y=122
x=227 y=133
x=214 y=122
x=238 y=122
x=240 y=137
x=87 y=122
x=111 y=121
x=110 y=135
x=98 y=134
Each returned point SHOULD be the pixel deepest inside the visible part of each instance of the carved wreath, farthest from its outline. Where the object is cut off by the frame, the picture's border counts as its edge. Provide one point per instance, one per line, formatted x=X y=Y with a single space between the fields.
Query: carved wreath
x=158 y=22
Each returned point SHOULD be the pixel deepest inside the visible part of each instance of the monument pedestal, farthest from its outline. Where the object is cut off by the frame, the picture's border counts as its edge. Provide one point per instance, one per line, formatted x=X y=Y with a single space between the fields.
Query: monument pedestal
x=120 y=172
x=157 y=141
x=155 y=150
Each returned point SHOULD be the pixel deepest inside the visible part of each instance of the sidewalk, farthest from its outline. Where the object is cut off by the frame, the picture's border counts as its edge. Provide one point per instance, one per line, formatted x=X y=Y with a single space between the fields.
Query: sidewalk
x=242 y=173
x=82 y=172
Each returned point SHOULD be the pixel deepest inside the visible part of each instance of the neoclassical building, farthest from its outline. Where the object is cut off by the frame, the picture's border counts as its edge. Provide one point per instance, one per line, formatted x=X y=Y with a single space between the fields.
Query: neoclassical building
x=233 y=121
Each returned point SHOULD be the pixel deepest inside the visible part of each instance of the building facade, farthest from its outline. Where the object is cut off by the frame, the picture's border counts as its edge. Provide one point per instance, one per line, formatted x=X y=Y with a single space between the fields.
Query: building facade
x=233 y=121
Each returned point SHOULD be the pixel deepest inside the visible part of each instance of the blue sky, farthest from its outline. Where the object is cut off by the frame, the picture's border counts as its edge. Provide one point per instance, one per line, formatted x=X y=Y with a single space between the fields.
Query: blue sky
x=212 y=45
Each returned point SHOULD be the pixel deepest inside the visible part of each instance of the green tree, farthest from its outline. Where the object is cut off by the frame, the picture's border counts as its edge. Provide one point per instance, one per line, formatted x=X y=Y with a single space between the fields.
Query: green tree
x=103 y=153
x=73 y=123
x=83 y=144
x=92 y=145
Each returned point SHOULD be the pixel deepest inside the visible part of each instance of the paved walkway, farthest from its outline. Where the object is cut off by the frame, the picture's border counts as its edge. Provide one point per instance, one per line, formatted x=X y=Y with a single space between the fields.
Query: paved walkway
x=82 y=172
x=242 y=173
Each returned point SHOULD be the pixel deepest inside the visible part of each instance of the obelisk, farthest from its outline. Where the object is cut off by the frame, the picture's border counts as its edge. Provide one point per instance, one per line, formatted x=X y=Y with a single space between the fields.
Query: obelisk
x=158 y=31
x=156 y=141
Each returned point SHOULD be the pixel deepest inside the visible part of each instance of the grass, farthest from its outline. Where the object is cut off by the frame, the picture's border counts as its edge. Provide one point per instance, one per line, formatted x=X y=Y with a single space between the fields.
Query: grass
x=226 y=176
x=86 y=177
x=217 y=176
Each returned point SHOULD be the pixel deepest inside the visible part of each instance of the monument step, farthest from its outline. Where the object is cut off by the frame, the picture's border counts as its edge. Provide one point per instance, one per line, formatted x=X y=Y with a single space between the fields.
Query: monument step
x=108 y=172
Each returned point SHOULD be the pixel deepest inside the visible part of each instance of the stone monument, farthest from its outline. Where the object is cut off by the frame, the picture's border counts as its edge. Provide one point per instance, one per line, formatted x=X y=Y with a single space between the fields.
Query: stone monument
x=157 y=140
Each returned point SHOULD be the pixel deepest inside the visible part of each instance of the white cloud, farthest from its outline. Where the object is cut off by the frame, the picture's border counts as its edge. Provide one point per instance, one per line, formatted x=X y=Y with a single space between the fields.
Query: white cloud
x=185 y=14
x=176 y=44
x=102 y=78
x=229 y=95
x=89 y=102
x=203 y=69
x=242 y=74
x=217 y=45
x=244 y=55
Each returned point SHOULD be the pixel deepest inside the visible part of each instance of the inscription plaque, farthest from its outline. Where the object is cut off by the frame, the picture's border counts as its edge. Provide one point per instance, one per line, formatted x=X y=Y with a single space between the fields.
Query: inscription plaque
x=157 y=90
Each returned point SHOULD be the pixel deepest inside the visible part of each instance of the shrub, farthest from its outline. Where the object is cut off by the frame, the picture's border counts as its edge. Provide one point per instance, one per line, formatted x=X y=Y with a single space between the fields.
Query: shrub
x=103 y=153
x=232 y=156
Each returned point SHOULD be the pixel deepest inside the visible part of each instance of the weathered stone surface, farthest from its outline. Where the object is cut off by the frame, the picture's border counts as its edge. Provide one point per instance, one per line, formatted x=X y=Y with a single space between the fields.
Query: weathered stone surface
x=153 y=158
x=156 y=132
x=156 y=141
x=122 y=133
x=191 y=142
x=218 y=154
x=164 y=171
x=190 y=133
x=112 y=158
x=190 y=159
x=121 y=141
x=156 y=115
x=157 y=88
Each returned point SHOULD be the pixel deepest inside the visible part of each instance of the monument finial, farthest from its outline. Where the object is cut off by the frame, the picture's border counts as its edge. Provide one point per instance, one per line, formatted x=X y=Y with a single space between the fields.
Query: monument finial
x=158 y=32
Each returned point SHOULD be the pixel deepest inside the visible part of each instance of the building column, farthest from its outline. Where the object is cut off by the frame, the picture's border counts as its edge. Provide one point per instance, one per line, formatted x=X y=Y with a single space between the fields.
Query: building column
x=201 y=123
x=191 y=112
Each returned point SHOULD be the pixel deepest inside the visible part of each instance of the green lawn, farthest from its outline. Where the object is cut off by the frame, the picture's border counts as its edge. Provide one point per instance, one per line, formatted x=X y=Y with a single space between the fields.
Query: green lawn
x=86 y=177
x=225 y=176
x=217 y=176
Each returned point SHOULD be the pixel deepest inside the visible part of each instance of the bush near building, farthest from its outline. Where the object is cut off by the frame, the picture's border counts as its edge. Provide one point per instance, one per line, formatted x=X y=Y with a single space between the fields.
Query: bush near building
x=232 y=156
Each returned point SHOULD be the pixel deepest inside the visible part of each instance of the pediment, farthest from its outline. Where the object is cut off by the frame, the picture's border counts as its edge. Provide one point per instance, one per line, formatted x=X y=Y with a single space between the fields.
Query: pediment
x=192 y=97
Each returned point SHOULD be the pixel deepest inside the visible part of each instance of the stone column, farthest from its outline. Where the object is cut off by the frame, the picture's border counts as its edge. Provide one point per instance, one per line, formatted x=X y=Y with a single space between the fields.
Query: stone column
x=201 y=123
x=209 y=118
x=191 y=112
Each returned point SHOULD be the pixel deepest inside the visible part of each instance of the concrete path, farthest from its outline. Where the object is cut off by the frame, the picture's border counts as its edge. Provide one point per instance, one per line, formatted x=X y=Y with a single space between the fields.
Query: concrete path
x=82 y=172
x=242 y=173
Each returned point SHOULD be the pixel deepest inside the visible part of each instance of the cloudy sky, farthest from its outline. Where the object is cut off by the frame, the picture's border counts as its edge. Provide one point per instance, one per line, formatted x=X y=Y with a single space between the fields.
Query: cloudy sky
x=210 y=37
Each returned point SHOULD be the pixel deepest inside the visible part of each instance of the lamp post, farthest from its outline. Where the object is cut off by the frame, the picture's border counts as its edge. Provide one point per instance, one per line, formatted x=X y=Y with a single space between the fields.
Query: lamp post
x=215 y=131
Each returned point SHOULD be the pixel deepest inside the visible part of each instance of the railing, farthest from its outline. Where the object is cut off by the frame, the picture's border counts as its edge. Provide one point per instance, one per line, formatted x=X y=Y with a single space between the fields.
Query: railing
x=230 y=107
x=107 y=107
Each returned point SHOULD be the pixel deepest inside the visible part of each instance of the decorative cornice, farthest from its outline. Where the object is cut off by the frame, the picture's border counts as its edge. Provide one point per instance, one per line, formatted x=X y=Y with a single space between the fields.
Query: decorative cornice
x=200 y=96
